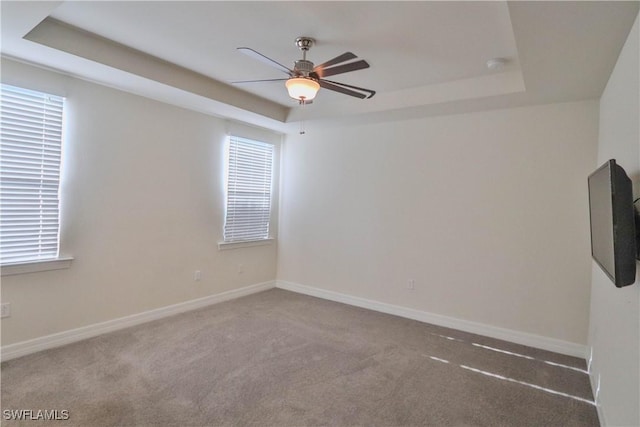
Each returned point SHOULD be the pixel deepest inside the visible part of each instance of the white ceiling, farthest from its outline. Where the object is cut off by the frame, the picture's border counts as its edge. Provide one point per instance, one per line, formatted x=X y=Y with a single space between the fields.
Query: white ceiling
x=426 y=57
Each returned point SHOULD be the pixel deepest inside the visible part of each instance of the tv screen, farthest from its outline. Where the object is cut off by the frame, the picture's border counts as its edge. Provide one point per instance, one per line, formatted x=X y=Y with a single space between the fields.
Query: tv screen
x=613 y=235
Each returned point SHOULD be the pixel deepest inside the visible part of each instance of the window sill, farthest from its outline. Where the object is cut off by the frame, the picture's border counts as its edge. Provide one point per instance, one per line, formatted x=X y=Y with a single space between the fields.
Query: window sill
x=223 y=246
x=35 y=266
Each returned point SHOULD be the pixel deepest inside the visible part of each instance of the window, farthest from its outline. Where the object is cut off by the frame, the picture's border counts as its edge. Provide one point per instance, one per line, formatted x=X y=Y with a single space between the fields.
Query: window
x=249 y=181
x=30 y=151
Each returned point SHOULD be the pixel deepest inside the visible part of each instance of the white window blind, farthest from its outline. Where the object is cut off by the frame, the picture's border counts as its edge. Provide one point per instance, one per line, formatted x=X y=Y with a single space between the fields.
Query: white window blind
x=30 y=150
x=249 y=180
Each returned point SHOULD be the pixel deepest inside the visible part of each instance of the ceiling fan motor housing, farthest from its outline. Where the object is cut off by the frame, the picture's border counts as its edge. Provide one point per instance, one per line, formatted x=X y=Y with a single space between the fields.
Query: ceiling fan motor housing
x=303 y=67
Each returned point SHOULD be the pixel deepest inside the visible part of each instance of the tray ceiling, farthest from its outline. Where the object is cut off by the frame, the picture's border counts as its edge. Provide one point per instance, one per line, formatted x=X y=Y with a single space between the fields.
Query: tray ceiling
x=426 y=57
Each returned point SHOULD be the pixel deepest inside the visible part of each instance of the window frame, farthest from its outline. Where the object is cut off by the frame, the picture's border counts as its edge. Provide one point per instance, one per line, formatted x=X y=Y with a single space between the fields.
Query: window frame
x=231 y=208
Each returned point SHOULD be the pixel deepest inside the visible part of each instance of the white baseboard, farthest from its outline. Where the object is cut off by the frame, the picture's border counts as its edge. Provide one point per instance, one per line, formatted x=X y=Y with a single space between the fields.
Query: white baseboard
x=23 y=348
x=524 y=338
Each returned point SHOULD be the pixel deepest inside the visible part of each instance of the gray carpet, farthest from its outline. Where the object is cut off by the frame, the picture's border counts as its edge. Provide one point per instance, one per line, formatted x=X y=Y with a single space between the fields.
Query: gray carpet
x=278 y=358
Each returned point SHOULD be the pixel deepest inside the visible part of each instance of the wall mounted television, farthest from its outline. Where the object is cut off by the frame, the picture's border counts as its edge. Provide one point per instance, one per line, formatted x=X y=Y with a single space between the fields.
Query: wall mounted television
x=613 y=231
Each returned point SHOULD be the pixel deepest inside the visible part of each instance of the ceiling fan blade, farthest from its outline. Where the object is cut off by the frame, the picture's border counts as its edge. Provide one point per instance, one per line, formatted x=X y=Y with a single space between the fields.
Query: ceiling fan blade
x=331 y=86
x=371 y=92
x=258 y=81
x=338 y=59
x=345 y=68
x=260 y=57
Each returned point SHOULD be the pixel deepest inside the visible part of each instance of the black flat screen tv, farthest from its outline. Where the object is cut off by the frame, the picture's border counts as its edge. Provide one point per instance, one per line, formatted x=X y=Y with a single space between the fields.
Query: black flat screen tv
x=612 y=215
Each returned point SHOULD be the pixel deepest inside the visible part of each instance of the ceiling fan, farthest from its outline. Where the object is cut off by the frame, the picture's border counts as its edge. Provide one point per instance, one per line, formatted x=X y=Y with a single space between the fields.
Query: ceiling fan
x=305 y=79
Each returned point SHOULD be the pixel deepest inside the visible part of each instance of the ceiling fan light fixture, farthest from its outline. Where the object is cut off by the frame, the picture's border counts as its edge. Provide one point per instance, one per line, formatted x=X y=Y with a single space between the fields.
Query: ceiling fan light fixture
x=302 y=88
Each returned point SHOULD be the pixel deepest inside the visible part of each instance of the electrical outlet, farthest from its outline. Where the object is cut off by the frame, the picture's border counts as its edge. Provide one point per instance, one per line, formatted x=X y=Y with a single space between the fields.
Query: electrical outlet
x=411 y=284
x=197 y=275
x=240 y=268
x=5 y=309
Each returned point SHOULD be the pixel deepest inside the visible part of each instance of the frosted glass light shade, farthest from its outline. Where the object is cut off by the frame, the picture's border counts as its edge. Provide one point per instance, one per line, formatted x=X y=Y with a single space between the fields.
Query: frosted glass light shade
x=301 y=88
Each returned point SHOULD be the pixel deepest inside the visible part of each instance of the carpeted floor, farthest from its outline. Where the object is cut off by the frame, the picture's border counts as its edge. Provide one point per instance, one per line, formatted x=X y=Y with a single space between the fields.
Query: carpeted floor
x=278 y=358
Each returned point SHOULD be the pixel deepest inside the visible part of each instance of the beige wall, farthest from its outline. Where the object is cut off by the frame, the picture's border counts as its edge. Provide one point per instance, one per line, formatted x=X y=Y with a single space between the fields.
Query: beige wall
x=142 y=209
x=487 y=212
x=614 y=330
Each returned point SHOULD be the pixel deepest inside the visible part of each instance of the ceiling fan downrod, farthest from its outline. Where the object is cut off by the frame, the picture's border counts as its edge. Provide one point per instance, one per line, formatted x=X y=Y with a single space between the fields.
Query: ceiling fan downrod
x=303 y=66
